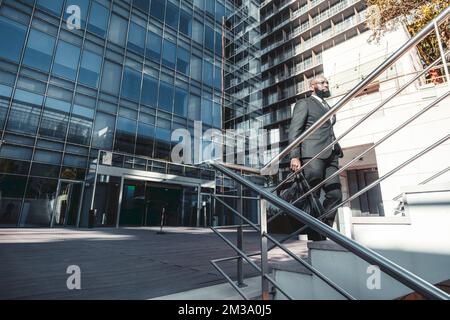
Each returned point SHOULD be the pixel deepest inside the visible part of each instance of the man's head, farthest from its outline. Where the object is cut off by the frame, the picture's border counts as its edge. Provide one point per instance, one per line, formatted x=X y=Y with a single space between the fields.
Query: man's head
x=319 y=86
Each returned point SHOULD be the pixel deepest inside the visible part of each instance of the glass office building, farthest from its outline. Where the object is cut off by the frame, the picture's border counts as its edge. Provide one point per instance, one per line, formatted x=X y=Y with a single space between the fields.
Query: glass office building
x=86 y=114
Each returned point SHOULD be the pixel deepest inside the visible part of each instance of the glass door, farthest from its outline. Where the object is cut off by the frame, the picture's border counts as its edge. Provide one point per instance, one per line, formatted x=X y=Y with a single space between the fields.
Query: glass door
x=67 y=203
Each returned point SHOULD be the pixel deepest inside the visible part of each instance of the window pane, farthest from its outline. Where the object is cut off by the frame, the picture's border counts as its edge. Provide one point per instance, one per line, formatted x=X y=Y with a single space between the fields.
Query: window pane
x=218 y=78
x=197 y=32
x=5 y=95
x=24 y=115
x=12 y=36
x=13 y=188
x=110 y=78
x=83 y=5
x=194 y=108
x=207 y=111
x=209 y=38
x=103 y=131
x=185 y=23
x=52 y=6
x=39 y=200
x=136 y=38
x=169 y=54
x=75 y=161
x=209 y=6
x=183 y=61
x=217 y=116
x=153 y=46
x=149 y=91
x=80 y=126
x=145 y=139
x=66 y=60
x=15 y=152
x=131 y=84
x=55 y=119
x=165 y=96
x=125 y=135
x=98 y=19
x=162 y=149
x=207 y=73
x=90 y=69
x=117 y=30
x=181 y=102
x=47 y=156
x=157 y=9
x=172 y=15
x=218 y=44
x=142 y=4
x=39 y=50
x=196 y=68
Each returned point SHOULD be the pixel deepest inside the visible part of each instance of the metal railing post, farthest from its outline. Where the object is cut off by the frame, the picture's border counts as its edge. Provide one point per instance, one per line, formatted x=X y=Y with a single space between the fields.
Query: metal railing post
x=240 y=271
x=264 y=257
x=441 y=50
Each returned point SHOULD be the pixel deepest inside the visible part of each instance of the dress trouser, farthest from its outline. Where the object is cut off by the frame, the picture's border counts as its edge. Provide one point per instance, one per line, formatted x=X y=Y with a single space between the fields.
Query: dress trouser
x=317 y=171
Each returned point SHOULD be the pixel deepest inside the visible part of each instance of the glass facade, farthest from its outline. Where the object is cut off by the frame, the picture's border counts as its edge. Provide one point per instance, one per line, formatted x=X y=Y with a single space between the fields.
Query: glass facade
x=135 y=71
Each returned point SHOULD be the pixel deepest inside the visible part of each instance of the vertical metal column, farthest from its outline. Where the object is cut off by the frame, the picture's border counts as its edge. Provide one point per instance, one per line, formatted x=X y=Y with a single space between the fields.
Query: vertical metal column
x=264 y=258
x=239 y=207
x=119 y=207
x=441 y=49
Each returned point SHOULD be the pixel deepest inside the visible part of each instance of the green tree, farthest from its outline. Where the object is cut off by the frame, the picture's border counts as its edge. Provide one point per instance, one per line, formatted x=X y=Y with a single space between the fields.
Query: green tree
x=387 y=15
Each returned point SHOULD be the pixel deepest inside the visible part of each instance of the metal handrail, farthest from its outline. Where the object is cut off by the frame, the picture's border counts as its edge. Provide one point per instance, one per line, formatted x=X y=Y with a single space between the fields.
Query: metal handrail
x=434 y=176
x=285 y=249
x=359 y=87
x=404 y=276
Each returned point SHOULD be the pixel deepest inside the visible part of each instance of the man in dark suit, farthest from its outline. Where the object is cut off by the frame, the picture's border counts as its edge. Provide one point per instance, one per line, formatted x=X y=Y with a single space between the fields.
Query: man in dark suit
x=306 y=112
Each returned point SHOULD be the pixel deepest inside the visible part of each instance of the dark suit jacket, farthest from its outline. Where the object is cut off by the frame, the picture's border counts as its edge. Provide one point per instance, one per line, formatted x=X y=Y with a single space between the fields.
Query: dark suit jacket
x=306 y=112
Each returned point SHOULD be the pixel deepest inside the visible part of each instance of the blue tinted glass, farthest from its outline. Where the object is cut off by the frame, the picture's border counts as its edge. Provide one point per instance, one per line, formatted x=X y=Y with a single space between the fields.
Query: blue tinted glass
x=217 y=115
x=207 y=73
x=209 y=38
x=16 y=152
x=207 y=111
x=5 y=94
x=194 y=108
x=53 y=6
x=98 y=19
x=103 y=131
x=163 y=134
x=218 y=78
x=90 y=69
x=66 y=60
x=157 y=9
x=117 y=30
x=220 y=11
x=185 y=23
x=149 y=91
x=136 y=38
x=12 y=36
x=183 y=61
x=55 y=119
x=165 y=96
x=47 y=156
x=58 y=105
x=210 y=6
x=110 y=77
x=125 y=135
x=144 y=142
x=131 y=84
x=25 y=111
x=181 y=102
x=39 y=50
x=169 y=54
x=83 y=112
x=75 y=161
x=218 y=44
x=142 y=4
x=83 y=5
x=172 y=15
x=153 y=46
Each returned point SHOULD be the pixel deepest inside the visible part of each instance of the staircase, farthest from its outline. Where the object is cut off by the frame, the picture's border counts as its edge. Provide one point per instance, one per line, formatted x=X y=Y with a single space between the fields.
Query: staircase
x=384 y=258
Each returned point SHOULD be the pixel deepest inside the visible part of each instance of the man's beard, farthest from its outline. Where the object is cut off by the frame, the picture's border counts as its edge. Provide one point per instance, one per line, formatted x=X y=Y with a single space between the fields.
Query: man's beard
x=323 y=94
